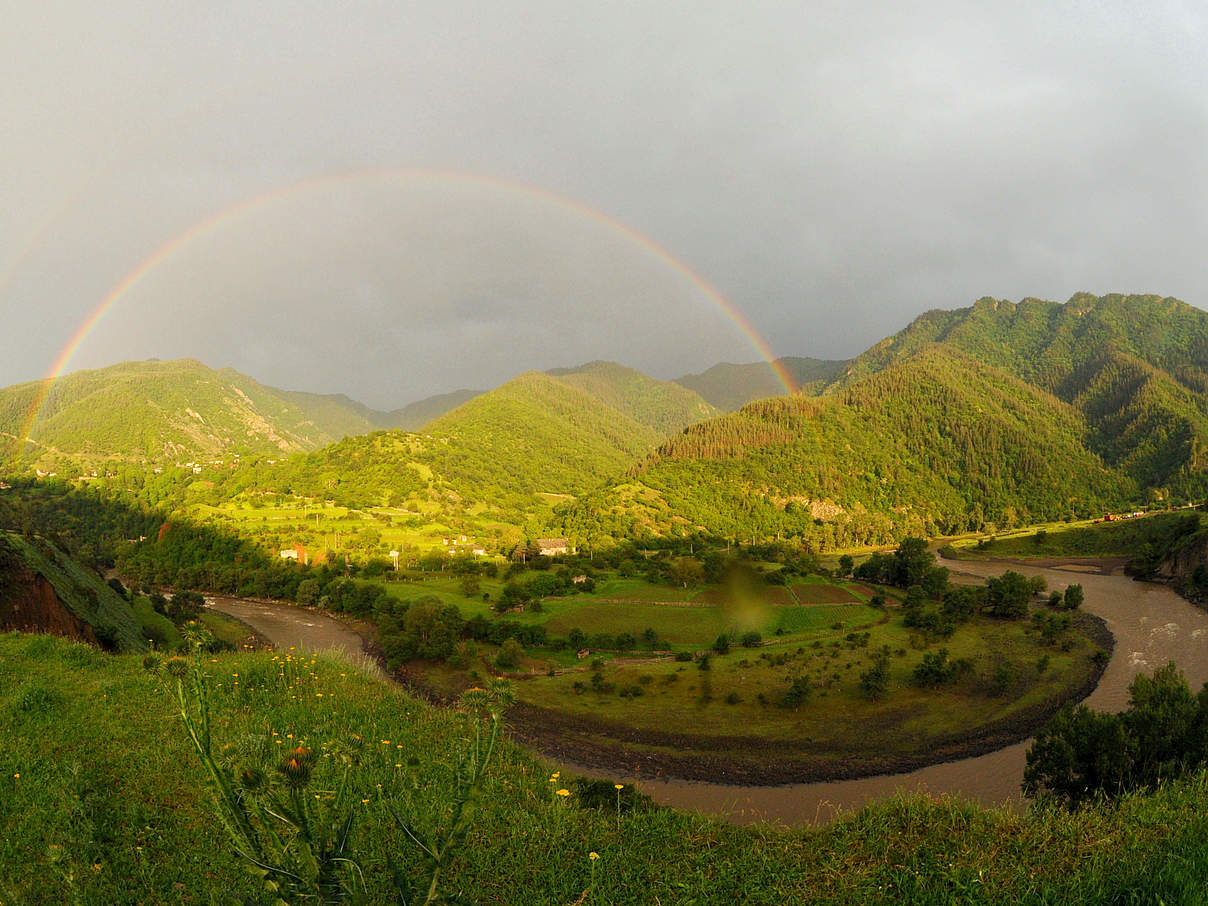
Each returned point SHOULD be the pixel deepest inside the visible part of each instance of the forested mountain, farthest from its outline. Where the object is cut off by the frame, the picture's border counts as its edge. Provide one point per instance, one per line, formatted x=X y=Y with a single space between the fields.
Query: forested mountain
x=729 y=386
x=664 y=406
x=415 y=415
x=935 y=442
x=1135 y=366
x=535 y=434
x=172 y=411
x=988 y=416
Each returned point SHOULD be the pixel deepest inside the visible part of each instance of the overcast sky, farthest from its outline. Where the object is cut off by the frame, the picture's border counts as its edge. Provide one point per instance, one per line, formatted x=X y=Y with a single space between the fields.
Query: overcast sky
x=832 y=169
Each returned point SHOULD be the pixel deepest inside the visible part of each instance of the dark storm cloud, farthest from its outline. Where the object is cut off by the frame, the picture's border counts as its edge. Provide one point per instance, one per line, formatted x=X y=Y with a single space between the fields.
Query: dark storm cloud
x=834 y=169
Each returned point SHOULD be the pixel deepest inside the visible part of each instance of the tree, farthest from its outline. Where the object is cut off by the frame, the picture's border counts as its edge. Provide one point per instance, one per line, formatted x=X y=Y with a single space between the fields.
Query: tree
x=510 y=653
x=1073 y=597
x=686 y=571
x=1007 y=596
x=1079 y=754
x=911 y=561
x=845 y=565
x=1083 y=753
x=874 y=682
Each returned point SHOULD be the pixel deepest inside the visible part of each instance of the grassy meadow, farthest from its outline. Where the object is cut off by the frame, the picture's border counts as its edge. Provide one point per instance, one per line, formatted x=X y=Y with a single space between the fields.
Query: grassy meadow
x=103 y=802
x=791 y=676
x=1079 y=538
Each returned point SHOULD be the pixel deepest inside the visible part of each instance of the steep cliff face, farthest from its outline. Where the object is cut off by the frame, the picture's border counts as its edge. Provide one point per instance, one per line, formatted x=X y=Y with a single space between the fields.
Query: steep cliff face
x=43 y=589
x=28 y=603
x=1186 y=565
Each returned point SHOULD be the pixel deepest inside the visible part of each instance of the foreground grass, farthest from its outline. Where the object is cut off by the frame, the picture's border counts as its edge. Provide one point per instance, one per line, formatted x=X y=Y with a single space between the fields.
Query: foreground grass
x=102 y=801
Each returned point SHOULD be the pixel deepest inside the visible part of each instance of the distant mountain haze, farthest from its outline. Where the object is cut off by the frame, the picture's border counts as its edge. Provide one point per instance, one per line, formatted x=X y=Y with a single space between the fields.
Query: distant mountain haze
x=729 y=386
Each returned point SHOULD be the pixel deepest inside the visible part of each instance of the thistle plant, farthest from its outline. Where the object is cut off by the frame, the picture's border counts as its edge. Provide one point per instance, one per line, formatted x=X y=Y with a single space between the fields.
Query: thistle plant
x=484 y=708
x=298 y=849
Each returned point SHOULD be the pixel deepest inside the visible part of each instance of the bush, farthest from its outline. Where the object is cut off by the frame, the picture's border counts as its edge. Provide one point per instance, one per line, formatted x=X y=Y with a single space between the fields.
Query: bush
x=874 y=682
x=936 y=669
x=1073 y=597
x=800 y=691
x=751 y=639
x=1082 y=753
x=1002 y=680
x=509 y=655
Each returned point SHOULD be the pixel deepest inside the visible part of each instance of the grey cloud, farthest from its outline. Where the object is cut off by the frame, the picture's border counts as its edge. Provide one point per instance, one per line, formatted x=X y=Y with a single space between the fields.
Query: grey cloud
x=870 y=159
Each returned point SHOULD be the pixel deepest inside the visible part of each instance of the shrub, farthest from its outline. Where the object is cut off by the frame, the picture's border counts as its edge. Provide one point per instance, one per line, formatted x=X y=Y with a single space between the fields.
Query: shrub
x=799 y=692
x=874 y=682
x=1073 y=597
x=509 y=655
x=936 y=669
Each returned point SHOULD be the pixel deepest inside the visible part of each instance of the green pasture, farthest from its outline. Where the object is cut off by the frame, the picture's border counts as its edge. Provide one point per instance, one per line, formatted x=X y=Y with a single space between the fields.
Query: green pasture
x=741 y=692
x=103 y=801
x=1083 y=538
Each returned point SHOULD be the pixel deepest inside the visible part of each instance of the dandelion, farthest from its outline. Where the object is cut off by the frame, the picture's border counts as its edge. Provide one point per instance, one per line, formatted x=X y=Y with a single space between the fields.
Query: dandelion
x=593 y=856
x=563 y=792
x=16 y=776
x=618 y=786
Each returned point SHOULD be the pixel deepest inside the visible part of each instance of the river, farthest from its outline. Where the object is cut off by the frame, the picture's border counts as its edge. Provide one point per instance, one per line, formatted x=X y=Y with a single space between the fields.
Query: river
x=1152 y=625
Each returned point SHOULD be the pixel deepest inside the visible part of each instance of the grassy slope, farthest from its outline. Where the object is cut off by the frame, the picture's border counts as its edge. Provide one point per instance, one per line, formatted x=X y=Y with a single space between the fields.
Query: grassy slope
x=109 y=808
x=82 y=591
x=665 y=406
x=1081 y=539
x=533 y=434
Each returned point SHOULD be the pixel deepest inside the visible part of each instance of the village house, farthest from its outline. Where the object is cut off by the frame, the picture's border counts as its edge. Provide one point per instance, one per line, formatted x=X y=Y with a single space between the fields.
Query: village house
x=552 y=547
x=297 y=553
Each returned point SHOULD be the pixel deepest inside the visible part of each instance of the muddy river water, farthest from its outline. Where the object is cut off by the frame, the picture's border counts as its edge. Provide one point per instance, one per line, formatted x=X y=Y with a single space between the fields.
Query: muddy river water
x=1152 y=625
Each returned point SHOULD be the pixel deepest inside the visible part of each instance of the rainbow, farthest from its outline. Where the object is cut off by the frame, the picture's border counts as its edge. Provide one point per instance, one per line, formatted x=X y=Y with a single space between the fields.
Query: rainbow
x=231 y=212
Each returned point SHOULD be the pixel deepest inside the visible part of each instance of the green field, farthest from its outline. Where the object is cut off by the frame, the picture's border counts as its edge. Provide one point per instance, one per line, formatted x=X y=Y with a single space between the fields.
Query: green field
x=737 y=707
x=1084 y=538
x=280 y=523
x=105 y=802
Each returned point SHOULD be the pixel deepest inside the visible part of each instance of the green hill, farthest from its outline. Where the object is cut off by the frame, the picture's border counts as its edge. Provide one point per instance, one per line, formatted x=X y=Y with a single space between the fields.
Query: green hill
x=729 y=386
x=536 y=434
x=415 y=415
x=1135 y=366
x=936 y=442
x=664 y=406
x=173 y=411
